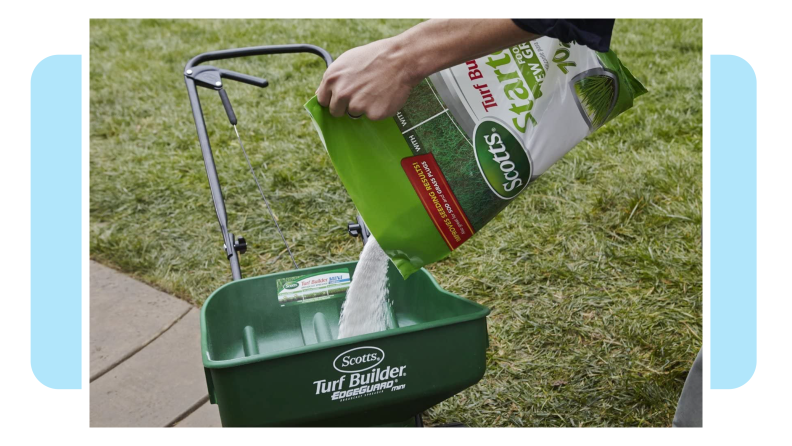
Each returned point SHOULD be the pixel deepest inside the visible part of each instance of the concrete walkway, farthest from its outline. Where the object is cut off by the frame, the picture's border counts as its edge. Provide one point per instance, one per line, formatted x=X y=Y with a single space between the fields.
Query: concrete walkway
x=145 y=357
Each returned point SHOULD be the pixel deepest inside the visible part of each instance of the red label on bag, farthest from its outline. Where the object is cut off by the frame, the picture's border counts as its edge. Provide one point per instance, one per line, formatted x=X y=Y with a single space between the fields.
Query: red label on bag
x=437 y=198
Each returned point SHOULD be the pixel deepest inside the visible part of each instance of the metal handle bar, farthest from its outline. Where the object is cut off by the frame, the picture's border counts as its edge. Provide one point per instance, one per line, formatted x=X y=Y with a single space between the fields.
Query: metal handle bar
x=259 y=51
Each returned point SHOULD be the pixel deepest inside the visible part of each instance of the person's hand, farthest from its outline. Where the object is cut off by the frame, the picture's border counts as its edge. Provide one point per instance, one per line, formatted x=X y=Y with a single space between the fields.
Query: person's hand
x=371 y=80
x=375 y=79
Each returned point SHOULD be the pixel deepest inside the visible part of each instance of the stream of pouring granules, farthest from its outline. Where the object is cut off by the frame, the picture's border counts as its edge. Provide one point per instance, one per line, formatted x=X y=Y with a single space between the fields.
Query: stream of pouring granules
x=366 y=305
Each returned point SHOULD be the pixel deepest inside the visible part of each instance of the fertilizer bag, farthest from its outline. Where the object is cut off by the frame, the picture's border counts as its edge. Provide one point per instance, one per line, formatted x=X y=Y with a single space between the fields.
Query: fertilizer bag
x=468 y=140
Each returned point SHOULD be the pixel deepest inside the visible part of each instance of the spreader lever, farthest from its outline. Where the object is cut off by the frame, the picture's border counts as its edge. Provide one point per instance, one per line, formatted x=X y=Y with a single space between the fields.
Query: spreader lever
x=245 y=78
x=208 y=76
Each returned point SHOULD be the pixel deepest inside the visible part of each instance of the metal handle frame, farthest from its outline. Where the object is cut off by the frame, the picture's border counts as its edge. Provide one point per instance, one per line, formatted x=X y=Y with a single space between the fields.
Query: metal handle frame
x=192 y=81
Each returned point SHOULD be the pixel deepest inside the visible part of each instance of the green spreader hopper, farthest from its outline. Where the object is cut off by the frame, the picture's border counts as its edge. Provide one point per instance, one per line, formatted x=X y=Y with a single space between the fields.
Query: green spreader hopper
x=273 y=365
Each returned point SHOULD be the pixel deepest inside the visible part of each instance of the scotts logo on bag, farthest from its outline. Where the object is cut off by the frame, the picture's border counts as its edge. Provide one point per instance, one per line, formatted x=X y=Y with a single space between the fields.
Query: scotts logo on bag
x=501 y=158
x=358 y=359
x=291 y=286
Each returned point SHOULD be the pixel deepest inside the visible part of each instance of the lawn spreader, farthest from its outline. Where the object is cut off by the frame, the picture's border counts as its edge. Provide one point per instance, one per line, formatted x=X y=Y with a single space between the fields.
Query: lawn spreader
x=269 y=343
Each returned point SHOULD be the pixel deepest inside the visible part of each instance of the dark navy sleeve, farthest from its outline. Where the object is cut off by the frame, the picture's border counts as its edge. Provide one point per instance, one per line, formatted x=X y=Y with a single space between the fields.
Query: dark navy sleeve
x=594 y=33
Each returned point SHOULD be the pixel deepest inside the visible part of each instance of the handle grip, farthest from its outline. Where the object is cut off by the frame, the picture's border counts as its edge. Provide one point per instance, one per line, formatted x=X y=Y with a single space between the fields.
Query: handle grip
x=227 y=106
x=244 y=78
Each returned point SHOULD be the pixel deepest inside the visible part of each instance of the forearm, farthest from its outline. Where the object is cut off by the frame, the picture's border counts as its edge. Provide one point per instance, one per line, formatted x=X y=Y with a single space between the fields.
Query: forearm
x=439 y=43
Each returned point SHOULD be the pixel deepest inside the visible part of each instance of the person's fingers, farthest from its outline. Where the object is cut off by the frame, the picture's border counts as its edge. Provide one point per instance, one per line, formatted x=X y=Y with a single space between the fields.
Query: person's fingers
x=323 y=94
x=377 y=113
x=338 y=104
x=355 y=109
x=379 y=109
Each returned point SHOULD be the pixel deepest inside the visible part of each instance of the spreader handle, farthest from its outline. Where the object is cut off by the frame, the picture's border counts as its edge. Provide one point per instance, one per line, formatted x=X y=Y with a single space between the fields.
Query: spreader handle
x=192 y=81
x=260 y=51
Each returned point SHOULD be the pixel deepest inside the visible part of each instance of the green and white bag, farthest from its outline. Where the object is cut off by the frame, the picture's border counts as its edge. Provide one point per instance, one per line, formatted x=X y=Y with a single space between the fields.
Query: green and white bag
x=469 y=140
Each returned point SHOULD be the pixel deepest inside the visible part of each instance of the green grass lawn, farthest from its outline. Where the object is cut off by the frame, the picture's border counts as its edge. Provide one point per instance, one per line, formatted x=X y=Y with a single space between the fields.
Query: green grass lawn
x=593 y=274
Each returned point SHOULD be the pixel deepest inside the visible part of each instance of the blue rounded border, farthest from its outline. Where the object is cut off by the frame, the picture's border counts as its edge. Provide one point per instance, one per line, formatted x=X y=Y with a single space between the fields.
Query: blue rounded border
x=732 y=222
x=55 y=222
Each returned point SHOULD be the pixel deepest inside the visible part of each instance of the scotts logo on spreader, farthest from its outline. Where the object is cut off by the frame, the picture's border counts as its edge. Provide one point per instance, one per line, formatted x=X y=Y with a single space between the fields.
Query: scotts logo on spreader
x=362 y=375
x=503 y=161
x=291 y=286
x=358 y=359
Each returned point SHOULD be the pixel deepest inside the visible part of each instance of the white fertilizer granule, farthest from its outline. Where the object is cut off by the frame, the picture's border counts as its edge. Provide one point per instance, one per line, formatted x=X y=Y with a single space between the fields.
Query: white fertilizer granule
x=366 y=305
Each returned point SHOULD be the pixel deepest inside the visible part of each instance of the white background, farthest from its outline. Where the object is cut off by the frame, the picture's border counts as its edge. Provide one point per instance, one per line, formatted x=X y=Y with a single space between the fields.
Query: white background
x=756 y=31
